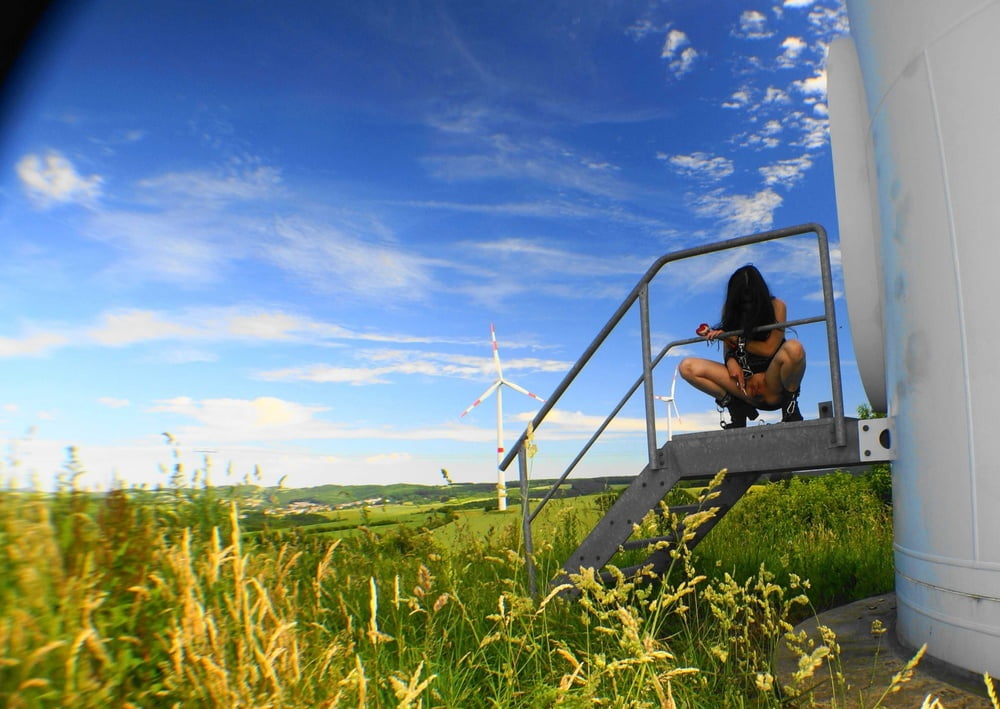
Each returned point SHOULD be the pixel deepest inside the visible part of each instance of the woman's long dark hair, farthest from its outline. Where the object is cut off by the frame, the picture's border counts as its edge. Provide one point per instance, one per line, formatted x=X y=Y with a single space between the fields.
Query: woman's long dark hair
x=748 y=303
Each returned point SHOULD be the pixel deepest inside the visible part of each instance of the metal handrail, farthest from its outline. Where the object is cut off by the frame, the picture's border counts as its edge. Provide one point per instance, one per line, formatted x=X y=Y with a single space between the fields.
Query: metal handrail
x=641 y=293
x=628 y=395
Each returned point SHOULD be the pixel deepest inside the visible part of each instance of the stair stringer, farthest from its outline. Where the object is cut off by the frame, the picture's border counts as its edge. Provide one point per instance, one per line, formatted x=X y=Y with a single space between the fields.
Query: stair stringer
x=745 y=453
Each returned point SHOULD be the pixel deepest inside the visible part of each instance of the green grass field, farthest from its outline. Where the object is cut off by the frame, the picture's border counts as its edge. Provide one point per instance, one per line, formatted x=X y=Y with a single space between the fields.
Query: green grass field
x=139 y=599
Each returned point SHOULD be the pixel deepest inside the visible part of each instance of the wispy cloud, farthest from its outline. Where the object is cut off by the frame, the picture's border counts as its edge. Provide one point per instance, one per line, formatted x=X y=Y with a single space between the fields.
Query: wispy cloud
x=267 y=420
x=753 y=25
x=193 y=229
x=700 y=165
x=341 y=260
x=408 y=363
x=642 y=28
x=135 y=326
x=536 y=256
x=32 y=344
x=775 y=96
x=128 y=327
x=258 y=182
x=260 y=419
x=786 y=172
x=53 y=179
x=829 y=22
x=814 y=131
x=542 y=160
x=113 y=402
x=739 y=213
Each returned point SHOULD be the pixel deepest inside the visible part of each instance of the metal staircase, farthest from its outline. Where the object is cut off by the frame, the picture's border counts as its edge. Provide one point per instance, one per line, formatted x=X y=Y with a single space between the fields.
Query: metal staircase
x=746 y=454
x=831 y=442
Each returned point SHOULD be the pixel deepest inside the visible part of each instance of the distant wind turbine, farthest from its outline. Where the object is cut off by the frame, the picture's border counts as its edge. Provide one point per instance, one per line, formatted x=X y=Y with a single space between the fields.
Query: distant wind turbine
x=671 y=402
x=497 y=387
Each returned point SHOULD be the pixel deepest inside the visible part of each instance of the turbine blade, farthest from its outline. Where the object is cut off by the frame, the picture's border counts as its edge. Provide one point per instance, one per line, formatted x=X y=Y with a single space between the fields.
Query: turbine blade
x=673 y=385
x=521 y=389
x=496 y=351
x=483 y=397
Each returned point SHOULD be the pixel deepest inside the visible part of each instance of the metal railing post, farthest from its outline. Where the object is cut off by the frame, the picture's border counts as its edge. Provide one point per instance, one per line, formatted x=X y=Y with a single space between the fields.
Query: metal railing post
x=836 y=386
x=529 y=546
x=647 y=377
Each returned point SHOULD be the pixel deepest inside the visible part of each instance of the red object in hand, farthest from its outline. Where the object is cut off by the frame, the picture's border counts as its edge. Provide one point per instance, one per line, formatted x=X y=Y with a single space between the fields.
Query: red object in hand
x=702 y=329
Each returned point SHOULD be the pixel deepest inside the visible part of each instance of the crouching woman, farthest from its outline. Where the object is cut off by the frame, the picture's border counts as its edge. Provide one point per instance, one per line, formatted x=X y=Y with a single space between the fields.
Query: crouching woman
x=760 y=370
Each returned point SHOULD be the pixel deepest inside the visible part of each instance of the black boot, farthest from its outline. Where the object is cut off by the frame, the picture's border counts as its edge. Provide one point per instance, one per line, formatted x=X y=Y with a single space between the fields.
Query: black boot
x=739 y=411
x=790 y=406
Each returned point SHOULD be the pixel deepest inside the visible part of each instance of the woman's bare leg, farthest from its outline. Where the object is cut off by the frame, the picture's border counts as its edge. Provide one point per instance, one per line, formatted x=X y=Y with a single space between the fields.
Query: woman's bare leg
x=787 y=369
x=709 y=377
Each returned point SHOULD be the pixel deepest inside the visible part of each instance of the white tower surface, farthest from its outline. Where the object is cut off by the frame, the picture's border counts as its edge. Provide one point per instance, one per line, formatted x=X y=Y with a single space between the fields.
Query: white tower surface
x=915 y=129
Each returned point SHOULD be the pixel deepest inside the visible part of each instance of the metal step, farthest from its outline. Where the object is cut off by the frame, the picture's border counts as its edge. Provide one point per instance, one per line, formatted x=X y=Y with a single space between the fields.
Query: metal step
x=745 y=453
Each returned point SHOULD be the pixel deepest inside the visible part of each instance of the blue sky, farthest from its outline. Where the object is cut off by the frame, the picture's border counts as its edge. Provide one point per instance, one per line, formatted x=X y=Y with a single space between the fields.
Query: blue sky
x=281 y=231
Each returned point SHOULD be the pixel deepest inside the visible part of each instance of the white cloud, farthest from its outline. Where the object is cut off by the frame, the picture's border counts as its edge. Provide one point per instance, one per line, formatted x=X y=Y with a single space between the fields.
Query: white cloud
x=700 y=165
x=128 y=327
x=113 y=402
x=753 y=25
x=786 y=172
x=685 y=63
x=677 y=49
x=739 y=214
x=263 y=418
x=33 y=345
x=774 y=95
x=813 y=86
x=766 y=136
x=266 y=419
x=674 y=41
x=738 y=99
x=798 y=3
x=830 y=22
x=54 y=179
x=792 y=48
x=772 y=127
x=815 y=132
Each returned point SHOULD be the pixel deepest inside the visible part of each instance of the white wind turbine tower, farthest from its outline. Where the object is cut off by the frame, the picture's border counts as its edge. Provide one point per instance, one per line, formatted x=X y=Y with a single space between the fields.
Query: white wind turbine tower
x=671 y=402
x=497 y=387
